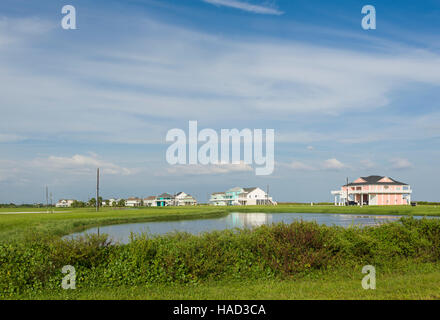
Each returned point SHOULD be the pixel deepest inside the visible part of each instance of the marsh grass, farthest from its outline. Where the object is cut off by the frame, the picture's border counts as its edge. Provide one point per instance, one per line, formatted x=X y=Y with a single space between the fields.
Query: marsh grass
x=282 y=252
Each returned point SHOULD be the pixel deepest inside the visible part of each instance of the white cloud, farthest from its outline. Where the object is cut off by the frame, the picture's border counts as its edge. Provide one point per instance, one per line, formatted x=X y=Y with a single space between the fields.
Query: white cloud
x=80 y=164
x=17 y=31
x=329 y=164
x=246 y=6
x=208 y=169
x=400 y=163
x=298 y=165
x=333 y=164
x=168 y=69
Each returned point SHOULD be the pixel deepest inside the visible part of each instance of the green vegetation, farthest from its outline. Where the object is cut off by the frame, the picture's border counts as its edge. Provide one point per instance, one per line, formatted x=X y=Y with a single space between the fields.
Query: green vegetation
x=418 y=281
x=68 y=220
x=281 y=252
x=301 y=260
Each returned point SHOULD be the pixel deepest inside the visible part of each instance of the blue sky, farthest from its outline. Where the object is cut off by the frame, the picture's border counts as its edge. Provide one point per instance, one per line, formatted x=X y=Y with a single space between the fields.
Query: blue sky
x=343 y=101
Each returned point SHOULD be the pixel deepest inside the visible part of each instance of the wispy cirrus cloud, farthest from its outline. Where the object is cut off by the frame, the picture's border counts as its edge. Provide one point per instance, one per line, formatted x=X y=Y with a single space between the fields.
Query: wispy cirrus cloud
x=246 y=6
x=400 y=163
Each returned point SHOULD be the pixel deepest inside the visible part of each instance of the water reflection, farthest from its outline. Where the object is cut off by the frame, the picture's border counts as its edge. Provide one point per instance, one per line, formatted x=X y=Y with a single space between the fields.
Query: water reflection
x=121 y=233
x=250 y=220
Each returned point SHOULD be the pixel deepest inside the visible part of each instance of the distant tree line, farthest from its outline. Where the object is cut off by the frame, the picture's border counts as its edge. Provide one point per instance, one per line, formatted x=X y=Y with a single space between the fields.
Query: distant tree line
x=427 y=203
x=92 y=203
x=25 y=205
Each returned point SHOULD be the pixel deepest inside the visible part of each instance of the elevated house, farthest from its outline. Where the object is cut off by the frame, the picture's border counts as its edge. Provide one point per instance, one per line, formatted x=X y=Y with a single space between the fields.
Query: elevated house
x=166 y=199
x=218 y=199
x=241 y=197
x=374 y=190
x=184 y=199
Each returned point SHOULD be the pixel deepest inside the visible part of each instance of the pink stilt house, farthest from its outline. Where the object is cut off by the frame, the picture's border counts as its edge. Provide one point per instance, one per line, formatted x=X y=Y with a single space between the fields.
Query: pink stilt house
x=374 y=190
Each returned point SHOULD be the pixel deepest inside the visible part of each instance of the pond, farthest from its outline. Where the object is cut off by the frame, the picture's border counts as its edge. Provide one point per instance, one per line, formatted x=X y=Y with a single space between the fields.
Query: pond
x=121 y=233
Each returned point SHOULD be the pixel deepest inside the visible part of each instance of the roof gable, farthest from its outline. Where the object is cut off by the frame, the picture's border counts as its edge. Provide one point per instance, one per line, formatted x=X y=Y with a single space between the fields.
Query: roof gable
x=375 y=180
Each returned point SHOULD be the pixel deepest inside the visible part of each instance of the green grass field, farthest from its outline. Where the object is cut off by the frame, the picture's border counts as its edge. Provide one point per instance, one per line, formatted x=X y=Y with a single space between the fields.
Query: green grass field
x=414 y=282
x=64 y=221
x=413 y=271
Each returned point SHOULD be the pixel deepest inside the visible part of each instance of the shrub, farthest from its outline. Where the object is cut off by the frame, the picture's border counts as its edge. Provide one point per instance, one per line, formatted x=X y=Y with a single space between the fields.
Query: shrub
x=275 y=251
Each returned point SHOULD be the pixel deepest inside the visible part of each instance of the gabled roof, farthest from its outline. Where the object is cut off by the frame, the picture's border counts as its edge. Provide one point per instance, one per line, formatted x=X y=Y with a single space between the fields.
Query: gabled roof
x=150 y=198
x=247 y=190
x=376 y=180
x=235 y=189
x=165 y=195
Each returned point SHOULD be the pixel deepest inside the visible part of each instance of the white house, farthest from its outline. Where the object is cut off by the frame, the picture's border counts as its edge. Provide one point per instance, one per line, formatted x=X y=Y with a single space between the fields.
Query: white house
x=110 y=202
x=241 y=196
x=183 y=199
x=63 y=203
x=133 y=202
x=166 y=199
x=150 y=201
x=254 y=197
x=218 y=199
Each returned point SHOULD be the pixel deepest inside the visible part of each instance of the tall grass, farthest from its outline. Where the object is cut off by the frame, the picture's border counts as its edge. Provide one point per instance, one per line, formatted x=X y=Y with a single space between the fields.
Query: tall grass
x=269 y=252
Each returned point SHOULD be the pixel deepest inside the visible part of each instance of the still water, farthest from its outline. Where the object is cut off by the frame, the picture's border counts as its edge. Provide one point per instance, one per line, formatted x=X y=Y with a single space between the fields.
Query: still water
x=121 y=233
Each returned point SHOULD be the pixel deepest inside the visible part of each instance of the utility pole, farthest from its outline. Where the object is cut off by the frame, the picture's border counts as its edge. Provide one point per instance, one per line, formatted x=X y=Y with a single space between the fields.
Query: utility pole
x=47 y=199
x=346 y=200
x=51 y=206
x=97 y=190
x=267 y=195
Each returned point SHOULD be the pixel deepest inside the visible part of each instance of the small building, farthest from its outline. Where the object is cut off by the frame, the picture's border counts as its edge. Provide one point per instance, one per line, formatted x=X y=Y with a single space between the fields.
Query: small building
x=109 y=202
x=373 y=190
x=254 y=197
x=64 y=203
x=133 y=202
x=150 y=201
x=218 y=199
x=241 y=197
x=164 y=200
x=183 y=199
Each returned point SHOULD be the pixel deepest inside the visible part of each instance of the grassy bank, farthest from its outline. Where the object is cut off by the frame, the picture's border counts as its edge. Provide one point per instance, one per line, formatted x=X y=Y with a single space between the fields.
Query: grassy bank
x=290 y=255
x=298 y=261
x=417 y=281
x=16 y=226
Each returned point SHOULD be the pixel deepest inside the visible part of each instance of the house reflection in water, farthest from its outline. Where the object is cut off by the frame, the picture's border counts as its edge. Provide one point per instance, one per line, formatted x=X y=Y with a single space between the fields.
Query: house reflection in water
x=250 y=220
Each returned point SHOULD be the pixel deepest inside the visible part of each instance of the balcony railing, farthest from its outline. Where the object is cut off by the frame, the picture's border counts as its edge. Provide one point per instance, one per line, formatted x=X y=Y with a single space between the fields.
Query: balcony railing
x=379 y=191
